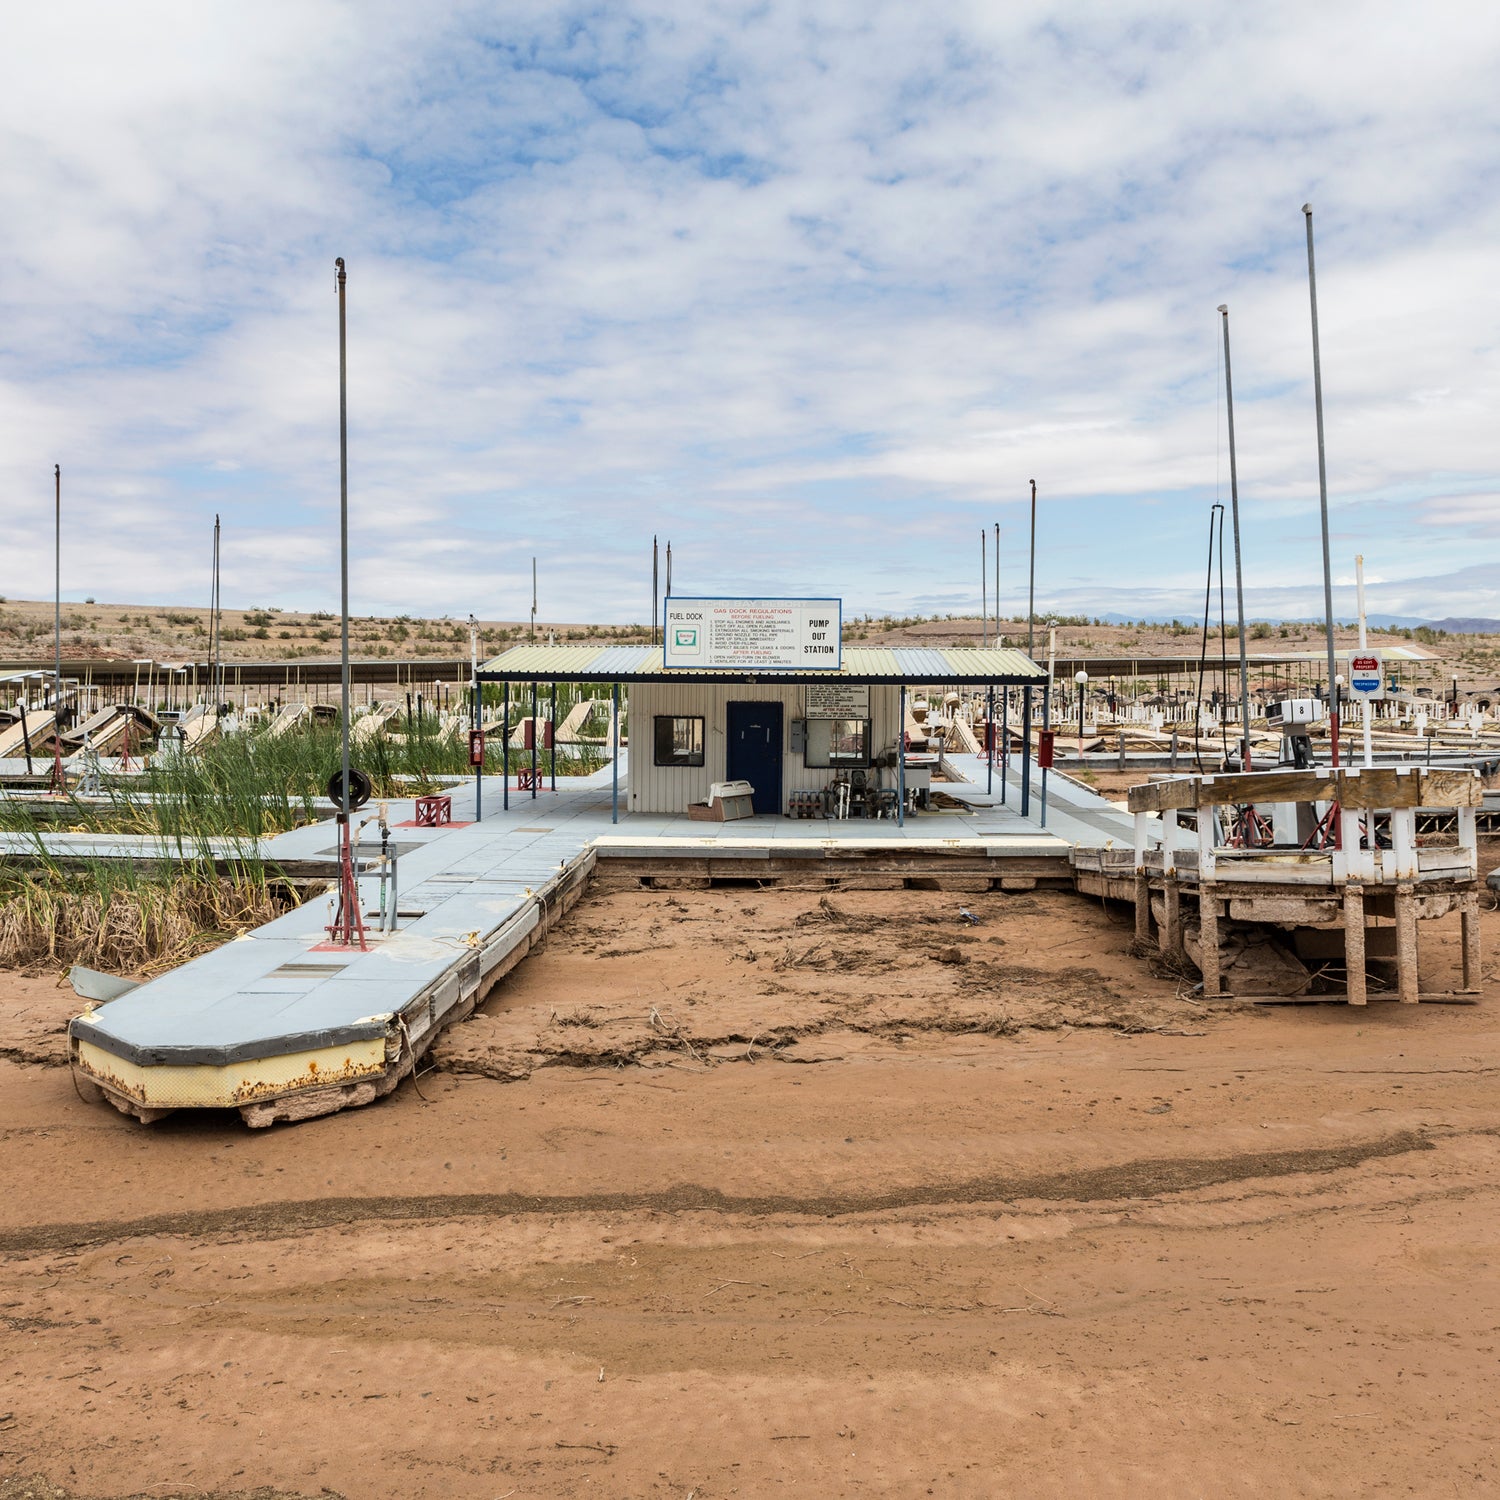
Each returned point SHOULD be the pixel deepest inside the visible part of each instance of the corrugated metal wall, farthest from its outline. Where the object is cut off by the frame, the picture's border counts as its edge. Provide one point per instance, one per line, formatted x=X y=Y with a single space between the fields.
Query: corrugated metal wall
x=656 y=788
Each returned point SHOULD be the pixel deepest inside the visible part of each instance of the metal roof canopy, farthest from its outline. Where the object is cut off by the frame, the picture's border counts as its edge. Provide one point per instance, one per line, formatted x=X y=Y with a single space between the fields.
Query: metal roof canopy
x=1116 y=665
x=389 y=671
x=878 y=664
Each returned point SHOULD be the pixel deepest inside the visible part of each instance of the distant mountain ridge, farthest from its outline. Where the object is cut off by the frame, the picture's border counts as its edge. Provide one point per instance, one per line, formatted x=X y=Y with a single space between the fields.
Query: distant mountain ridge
x=1467 y=625
x=1454 y=624
x=1375 y=622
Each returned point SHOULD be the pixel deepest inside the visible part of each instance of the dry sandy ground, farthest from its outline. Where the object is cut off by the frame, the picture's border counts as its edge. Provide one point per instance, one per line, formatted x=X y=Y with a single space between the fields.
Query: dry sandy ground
x=1241 y=1254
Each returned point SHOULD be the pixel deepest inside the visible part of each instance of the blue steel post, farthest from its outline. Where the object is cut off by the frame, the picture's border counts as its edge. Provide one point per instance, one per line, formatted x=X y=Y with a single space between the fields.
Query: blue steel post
x=614 y=761
x=1031 y=652
x=1046 y=725
x=1004 y=743
x=901 y=761
x=478 y=769
x=1026 y=751
x=533 y=739
x=989 y=743
x=505 y=751
x=553 y=737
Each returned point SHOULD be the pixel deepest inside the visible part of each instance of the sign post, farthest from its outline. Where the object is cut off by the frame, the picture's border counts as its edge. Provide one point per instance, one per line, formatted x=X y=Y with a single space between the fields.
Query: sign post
x=1367 y=683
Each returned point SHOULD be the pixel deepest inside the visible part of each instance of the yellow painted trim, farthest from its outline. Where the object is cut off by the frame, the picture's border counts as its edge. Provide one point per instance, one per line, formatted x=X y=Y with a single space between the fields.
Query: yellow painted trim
x=249 y=1082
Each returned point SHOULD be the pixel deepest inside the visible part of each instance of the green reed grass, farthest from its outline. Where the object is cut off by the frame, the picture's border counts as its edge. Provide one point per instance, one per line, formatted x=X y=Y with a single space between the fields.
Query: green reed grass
x=245 y=787
x=110 y=915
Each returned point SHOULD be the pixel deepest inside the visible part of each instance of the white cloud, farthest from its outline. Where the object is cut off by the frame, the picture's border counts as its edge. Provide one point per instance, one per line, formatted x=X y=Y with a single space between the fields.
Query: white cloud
x=813 y=293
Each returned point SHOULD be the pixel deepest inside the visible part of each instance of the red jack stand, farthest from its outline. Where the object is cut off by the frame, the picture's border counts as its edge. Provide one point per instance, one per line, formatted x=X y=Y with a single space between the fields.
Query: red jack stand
x=348 y=924
x=1249 y=830
x=59 y=777
x=1327 y=835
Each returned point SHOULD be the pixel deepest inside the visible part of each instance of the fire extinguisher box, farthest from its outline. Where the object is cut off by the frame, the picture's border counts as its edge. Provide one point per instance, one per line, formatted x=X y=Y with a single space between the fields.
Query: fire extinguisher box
x=1045 y=741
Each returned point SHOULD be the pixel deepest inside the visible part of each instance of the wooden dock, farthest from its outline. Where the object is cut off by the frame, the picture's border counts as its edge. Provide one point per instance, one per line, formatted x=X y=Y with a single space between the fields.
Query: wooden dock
x=1362 y=865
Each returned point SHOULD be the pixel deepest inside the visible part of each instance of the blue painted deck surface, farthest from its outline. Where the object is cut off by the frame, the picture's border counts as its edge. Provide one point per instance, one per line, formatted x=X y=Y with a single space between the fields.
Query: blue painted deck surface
x=271 y=994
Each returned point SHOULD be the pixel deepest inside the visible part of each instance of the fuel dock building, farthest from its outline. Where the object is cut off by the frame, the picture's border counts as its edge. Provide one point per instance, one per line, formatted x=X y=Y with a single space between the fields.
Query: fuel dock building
x=761 y=691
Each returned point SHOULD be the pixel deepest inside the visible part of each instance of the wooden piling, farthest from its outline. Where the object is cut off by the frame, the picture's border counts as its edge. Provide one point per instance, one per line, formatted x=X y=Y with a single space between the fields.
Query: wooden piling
x=1354 y=943
x=1469 y=918
x=1169 y=936
x=1208 y=940
x=1142 y=909
x=1406 y=945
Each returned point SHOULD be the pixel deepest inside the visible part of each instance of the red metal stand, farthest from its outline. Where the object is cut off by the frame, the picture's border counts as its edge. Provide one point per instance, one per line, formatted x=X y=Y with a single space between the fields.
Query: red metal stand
x=435 y=810
x=348 y=924
x=1326 y=834
x=1249 y=830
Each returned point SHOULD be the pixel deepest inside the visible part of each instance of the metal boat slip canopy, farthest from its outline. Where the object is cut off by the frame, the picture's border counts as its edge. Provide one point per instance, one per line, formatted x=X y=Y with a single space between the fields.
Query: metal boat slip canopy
x=785 y=729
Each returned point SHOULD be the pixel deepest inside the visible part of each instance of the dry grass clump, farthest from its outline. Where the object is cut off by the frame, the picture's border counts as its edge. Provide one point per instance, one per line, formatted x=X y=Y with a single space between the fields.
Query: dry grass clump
x=126 y=923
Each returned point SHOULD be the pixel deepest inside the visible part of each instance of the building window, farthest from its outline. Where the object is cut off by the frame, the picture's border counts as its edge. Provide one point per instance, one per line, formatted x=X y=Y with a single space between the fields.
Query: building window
x=837 y=742
x=679 y=740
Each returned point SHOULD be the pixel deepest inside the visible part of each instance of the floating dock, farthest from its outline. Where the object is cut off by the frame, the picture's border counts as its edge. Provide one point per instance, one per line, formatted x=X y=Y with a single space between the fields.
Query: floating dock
x=282 y=1025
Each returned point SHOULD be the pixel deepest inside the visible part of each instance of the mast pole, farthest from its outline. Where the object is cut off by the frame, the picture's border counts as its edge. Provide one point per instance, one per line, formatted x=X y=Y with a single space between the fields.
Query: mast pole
x=1333 y=692
x=1239 y=575
x=1030 y=652
x=343 y=551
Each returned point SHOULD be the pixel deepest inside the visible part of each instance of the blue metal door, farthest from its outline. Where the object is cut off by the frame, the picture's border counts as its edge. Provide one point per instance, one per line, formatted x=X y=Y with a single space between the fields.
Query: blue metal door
x=753 y=731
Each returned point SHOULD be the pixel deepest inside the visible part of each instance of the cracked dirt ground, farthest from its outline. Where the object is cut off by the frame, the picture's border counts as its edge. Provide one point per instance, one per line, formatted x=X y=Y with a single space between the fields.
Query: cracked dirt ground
x=875 y=1206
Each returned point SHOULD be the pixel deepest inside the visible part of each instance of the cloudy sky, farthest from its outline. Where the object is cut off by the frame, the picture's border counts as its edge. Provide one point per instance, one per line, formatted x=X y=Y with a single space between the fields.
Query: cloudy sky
x=813 y=290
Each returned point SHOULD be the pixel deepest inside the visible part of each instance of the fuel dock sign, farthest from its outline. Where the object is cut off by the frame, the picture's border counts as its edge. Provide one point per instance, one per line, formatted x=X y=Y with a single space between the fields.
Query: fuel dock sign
x=772 y=635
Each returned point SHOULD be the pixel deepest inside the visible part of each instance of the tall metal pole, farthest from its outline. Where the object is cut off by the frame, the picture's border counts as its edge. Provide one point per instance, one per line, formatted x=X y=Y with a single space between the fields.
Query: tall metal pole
x=1031 y=652
x=214 y=625
x=614 y=755
x=997 y=583
x=984 y=607
x=1239 y=576
x=655 y=591
x=1366 y=707
x=59 y=779
x=1047 y=706
x=1004 y=741
x=1333 y=692
x=476 y=717
x=343 y=550
x=57 y=605
x=989 y=748
x=532 y=636
x=901 y=759
x=1031 y=585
